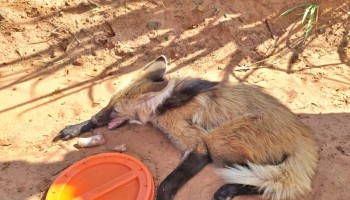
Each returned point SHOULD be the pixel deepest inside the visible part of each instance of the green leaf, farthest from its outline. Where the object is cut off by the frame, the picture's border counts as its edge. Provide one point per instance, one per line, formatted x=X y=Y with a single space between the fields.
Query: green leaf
x=311 y=10
x=305 y=13
x=291 y=9
x=309 y=24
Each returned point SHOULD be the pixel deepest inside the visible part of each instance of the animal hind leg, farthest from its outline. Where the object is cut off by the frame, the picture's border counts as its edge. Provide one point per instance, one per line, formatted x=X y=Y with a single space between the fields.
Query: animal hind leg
x=232 y=190
x=191 y=164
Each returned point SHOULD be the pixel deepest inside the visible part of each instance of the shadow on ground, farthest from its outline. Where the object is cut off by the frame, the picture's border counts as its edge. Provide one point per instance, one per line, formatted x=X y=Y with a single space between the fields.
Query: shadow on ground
x=331 y=131
x=248 y=32
x=114 y=38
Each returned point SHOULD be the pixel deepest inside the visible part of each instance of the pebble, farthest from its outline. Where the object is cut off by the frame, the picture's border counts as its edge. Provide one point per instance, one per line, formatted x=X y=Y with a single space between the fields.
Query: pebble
x=153 y=25
x=3 y=13
x=78 y=62
x=119 y=148
x=101 y=39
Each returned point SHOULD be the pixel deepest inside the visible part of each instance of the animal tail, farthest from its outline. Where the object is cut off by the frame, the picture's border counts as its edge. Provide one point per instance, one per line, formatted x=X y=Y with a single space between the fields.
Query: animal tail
x=288 y=180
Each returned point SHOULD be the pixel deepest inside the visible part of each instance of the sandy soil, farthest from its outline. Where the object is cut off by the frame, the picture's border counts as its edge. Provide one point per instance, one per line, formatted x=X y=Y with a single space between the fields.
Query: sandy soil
x=61 y=61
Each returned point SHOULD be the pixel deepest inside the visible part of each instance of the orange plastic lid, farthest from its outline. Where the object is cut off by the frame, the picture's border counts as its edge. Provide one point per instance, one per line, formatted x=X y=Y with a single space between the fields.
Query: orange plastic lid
x=104 y=176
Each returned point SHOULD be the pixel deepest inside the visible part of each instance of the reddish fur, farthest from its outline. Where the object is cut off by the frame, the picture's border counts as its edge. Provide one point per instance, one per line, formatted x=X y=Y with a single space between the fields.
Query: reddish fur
x=236 y=123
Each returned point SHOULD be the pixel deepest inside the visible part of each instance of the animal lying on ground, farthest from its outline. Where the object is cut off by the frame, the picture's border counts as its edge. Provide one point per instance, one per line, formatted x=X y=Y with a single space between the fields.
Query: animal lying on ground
x=258 y=145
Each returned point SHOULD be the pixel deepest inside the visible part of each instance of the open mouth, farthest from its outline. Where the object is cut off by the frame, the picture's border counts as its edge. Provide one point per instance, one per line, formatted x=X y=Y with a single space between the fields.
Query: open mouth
x=114 y=123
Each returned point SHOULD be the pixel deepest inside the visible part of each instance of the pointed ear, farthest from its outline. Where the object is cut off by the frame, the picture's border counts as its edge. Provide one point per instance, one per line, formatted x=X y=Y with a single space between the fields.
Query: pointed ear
x=155 y=99
x=154 y=70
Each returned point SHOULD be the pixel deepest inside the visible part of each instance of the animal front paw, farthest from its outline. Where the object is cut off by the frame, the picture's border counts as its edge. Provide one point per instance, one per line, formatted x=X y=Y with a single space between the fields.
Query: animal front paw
x=67 y=133
x=164 y=192
x=225 y=192
x=72 y=131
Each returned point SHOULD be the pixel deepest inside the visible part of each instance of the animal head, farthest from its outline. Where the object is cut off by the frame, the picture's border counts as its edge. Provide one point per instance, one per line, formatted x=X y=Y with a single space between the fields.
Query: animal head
x=138 y=101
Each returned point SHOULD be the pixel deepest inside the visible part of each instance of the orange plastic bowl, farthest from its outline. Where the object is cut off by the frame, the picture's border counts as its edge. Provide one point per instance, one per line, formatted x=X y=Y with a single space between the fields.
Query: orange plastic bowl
x=103 y=177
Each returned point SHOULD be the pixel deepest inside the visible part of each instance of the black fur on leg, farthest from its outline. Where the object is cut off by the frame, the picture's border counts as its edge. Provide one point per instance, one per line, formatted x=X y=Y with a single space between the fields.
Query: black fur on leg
x=72 y=131
x=188 y=90
x=232 y=190
x=190 y=166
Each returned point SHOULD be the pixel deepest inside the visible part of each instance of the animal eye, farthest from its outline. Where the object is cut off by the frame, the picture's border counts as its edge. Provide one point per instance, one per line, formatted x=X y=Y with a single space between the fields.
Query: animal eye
x=114 y=113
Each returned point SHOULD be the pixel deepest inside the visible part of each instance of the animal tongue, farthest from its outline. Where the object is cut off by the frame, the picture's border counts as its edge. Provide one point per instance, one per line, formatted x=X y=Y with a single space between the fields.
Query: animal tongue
x=114 y=123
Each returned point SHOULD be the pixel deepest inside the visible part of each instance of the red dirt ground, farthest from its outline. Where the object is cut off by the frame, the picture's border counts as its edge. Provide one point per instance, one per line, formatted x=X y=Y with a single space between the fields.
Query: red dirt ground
x=62 y=60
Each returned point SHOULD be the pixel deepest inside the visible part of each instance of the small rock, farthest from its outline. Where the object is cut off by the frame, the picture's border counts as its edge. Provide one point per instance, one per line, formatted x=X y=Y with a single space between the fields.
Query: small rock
x=113 y=42
x=153 y=25
x=123 y=52
x=242 y=68
x=152 y=35
x=119 y=148
x=54 y=34
x=201 y=7
x=53 y=54
x=3 y=13
x=101 y=39
x=94 y=52
x=216 y=11
x=78 y=62
x=5 y=142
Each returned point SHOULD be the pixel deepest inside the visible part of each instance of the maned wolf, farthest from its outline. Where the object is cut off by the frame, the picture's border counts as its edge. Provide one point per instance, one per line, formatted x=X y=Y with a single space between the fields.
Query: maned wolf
x=259 y=146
